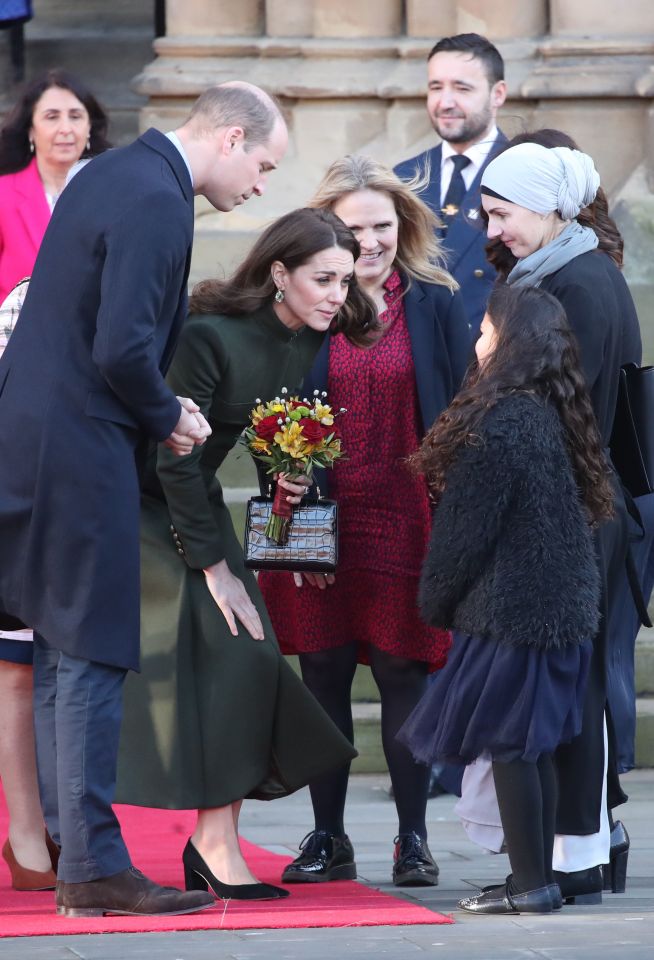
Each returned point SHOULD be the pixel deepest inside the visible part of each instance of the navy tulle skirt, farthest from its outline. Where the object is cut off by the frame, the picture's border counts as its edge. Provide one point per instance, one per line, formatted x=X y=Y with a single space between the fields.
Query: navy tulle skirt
x=499 y=701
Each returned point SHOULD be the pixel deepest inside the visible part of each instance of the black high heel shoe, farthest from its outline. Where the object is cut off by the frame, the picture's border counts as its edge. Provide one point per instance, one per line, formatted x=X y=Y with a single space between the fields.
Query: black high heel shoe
x=198 y=876
x=580 y=886
x=615 y=871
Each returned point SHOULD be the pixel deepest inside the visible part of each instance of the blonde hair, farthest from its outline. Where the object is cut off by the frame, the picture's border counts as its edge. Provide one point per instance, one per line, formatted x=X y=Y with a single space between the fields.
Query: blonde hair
x=419 y=252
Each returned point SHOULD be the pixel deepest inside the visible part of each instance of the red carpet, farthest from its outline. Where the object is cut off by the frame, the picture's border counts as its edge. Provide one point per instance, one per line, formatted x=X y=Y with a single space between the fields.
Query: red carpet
x=155 y=839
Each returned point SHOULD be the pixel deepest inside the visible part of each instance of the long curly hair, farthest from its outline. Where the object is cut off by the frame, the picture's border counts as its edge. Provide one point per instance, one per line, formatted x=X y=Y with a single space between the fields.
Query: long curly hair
x=14 y=136
x=596 y=215
x=419 y=252
x=292 y=239
x=535 y=353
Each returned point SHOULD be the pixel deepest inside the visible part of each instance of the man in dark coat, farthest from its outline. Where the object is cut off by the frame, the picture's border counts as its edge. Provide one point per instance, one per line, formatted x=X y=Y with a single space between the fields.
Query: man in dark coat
x=81 y=390
x=466 y=88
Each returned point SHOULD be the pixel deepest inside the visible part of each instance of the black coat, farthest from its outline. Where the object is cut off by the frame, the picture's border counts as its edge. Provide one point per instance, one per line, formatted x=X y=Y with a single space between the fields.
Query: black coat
x=511 y=555
x=602 y=314
x=81 y=387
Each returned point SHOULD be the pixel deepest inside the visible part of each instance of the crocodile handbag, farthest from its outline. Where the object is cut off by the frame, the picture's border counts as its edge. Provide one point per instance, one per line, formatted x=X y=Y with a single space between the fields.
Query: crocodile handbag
x=312 y=545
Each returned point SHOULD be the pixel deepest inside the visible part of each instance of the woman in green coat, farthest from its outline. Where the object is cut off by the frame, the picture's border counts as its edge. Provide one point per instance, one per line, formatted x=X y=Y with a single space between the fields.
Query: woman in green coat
x=217 y=715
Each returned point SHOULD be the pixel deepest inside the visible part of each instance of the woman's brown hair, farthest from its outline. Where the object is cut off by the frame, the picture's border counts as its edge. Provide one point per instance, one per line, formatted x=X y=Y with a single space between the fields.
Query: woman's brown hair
x=292 y=239
x=536 y=353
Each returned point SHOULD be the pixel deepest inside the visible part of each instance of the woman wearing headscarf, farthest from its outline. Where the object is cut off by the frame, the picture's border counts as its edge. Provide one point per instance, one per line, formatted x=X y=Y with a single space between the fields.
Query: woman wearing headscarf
x=532 y=197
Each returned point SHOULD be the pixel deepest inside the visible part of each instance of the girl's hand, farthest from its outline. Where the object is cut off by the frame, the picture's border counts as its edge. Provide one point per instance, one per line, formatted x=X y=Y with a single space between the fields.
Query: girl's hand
x=319 y=580
x=296 y=486
x=233 y=599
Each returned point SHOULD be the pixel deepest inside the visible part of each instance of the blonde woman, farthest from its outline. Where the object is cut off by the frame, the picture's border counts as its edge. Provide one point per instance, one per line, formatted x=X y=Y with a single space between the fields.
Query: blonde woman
x=367 y=612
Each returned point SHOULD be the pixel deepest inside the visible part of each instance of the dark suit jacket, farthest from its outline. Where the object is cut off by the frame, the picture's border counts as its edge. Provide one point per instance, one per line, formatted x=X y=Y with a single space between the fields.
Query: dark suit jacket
x=466 y=238
x=440 y=345
x=82 y=387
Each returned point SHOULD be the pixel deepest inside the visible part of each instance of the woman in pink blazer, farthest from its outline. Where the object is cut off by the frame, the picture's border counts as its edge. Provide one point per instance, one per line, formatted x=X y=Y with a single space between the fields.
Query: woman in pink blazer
x=52 y=126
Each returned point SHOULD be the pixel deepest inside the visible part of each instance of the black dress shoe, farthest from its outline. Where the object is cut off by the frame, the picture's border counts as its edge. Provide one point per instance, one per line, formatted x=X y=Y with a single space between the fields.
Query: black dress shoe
x=554 y=889
x=198 y=876
x=413 y=864
x=581 y=886
x=128 y=892
x=502 y=900
x=615 y=871
x=323 y=857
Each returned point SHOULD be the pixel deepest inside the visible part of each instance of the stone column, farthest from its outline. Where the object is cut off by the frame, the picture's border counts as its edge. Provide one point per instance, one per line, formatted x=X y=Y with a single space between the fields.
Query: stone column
x=289 y=18
x=424 y=18
x=601 y=18
x=502 y=19
x=214 y=18
x=357 y=18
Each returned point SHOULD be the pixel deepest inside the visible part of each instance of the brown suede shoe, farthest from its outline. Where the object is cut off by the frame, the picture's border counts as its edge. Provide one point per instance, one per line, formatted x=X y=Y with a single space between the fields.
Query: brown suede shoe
x=129 y=892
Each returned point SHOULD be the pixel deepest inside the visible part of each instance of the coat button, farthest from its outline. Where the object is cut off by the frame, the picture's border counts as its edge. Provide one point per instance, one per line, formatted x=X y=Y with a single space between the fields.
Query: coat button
x=180 y=551
x=478 y=272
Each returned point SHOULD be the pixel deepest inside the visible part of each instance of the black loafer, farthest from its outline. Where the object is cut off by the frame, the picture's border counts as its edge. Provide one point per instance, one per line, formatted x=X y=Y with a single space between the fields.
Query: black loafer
x=581 y=886
x=554 y=889
x=323 y=857
x=413 y=864
x=500 y=900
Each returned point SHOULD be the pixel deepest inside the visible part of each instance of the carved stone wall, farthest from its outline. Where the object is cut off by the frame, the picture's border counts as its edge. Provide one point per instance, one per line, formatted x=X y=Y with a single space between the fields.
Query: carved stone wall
x=351 y=77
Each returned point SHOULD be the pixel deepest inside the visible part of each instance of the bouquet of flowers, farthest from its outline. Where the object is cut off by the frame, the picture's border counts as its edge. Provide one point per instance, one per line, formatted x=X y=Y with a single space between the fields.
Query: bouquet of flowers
x=292 y=436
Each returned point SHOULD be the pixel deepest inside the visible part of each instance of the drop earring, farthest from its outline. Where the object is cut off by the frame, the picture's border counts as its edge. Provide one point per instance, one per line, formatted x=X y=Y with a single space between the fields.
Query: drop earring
x=31 y=146
x=88 y=142
x=279 y=296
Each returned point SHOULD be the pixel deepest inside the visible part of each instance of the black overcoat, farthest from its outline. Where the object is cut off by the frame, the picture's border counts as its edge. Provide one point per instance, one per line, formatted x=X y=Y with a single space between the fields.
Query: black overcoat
x=602 y=314
x=82 y=388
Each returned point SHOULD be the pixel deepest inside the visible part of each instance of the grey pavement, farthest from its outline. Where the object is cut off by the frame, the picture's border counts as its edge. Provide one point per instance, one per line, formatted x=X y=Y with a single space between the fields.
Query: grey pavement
x=622 y=928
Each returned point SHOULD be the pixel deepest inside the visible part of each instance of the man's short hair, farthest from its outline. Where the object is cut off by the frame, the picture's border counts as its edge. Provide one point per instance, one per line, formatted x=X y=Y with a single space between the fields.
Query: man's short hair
x=237 y=106
x=476 y=46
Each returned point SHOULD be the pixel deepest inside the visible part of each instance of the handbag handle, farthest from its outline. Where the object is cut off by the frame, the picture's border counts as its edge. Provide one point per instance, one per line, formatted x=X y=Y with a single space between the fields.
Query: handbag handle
x=270 y=493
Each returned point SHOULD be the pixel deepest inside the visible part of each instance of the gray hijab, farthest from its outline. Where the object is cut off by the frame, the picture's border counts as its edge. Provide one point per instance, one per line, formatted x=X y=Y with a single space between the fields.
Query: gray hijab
x=544 y=180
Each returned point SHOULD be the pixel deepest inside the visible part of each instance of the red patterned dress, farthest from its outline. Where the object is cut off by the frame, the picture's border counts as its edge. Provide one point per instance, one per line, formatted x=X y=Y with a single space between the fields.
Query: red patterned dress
x=384 y=516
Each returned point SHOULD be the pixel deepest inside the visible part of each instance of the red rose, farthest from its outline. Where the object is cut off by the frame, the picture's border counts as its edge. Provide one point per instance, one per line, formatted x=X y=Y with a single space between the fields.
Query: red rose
x=267 y=428
x=333 y=429
x=311 y=430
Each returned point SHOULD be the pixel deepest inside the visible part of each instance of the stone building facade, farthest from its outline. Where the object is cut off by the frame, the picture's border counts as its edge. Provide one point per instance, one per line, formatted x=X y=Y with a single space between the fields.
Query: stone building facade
x=351 y=77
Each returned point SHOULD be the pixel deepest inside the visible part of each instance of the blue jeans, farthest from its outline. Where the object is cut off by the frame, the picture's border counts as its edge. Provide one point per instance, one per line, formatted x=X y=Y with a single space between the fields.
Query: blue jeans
x=77 y=715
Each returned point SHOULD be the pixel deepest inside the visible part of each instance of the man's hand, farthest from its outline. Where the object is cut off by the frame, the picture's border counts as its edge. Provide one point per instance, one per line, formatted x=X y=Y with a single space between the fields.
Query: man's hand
x=232 y=598
x=192 y=429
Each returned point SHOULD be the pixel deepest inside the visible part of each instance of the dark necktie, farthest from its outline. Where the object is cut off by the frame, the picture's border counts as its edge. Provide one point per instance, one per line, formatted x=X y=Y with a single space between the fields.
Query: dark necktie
x=456 y=190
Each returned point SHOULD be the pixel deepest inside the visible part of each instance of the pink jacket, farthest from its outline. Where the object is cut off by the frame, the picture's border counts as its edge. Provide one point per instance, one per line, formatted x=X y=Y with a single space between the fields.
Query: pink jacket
x=24 y=215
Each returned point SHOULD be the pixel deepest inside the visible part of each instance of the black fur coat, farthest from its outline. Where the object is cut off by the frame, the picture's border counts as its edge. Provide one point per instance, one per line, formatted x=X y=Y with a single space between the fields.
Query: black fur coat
x=511 y=556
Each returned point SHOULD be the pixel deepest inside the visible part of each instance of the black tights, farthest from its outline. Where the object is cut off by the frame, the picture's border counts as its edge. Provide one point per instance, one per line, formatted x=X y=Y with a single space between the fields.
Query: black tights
x=527 y=794
x=401 y=682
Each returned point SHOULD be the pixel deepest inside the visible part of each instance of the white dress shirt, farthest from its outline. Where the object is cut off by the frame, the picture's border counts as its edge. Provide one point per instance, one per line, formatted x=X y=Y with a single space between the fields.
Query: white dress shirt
x=174 y=139
x=476 y=154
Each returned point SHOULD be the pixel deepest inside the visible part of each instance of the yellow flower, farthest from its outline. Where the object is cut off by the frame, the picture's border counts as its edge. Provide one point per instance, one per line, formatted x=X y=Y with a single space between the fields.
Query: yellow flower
x=258 y=414
x=324 y=413
x=290 y=440
x=260 y=445
x=278 y=408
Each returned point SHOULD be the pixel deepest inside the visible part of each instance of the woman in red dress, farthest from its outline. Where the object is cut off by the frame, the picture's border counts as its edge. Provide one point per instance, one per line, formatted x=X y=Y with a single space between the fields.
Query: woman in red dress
x=367 y=612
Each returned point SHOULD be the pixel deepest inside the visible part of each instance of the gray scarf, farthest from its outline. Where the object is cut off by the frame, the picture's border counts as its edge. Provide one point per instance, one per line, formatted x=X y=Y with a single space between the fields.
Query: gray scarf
x=570 y=243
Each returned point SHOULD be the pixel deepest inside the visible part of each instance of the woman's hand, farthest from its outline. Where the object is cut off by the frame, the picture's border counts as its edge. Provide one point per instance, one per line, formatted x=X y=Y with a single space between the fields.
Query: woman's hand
x=296 y=486
x=233 y=599
x=319 y=580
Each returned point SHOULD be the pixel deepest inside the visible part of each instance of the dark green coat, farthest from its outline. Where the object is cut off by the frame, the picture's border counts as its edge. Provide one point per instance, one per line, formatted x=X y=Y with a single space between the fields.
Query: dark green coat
x=213 y=718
